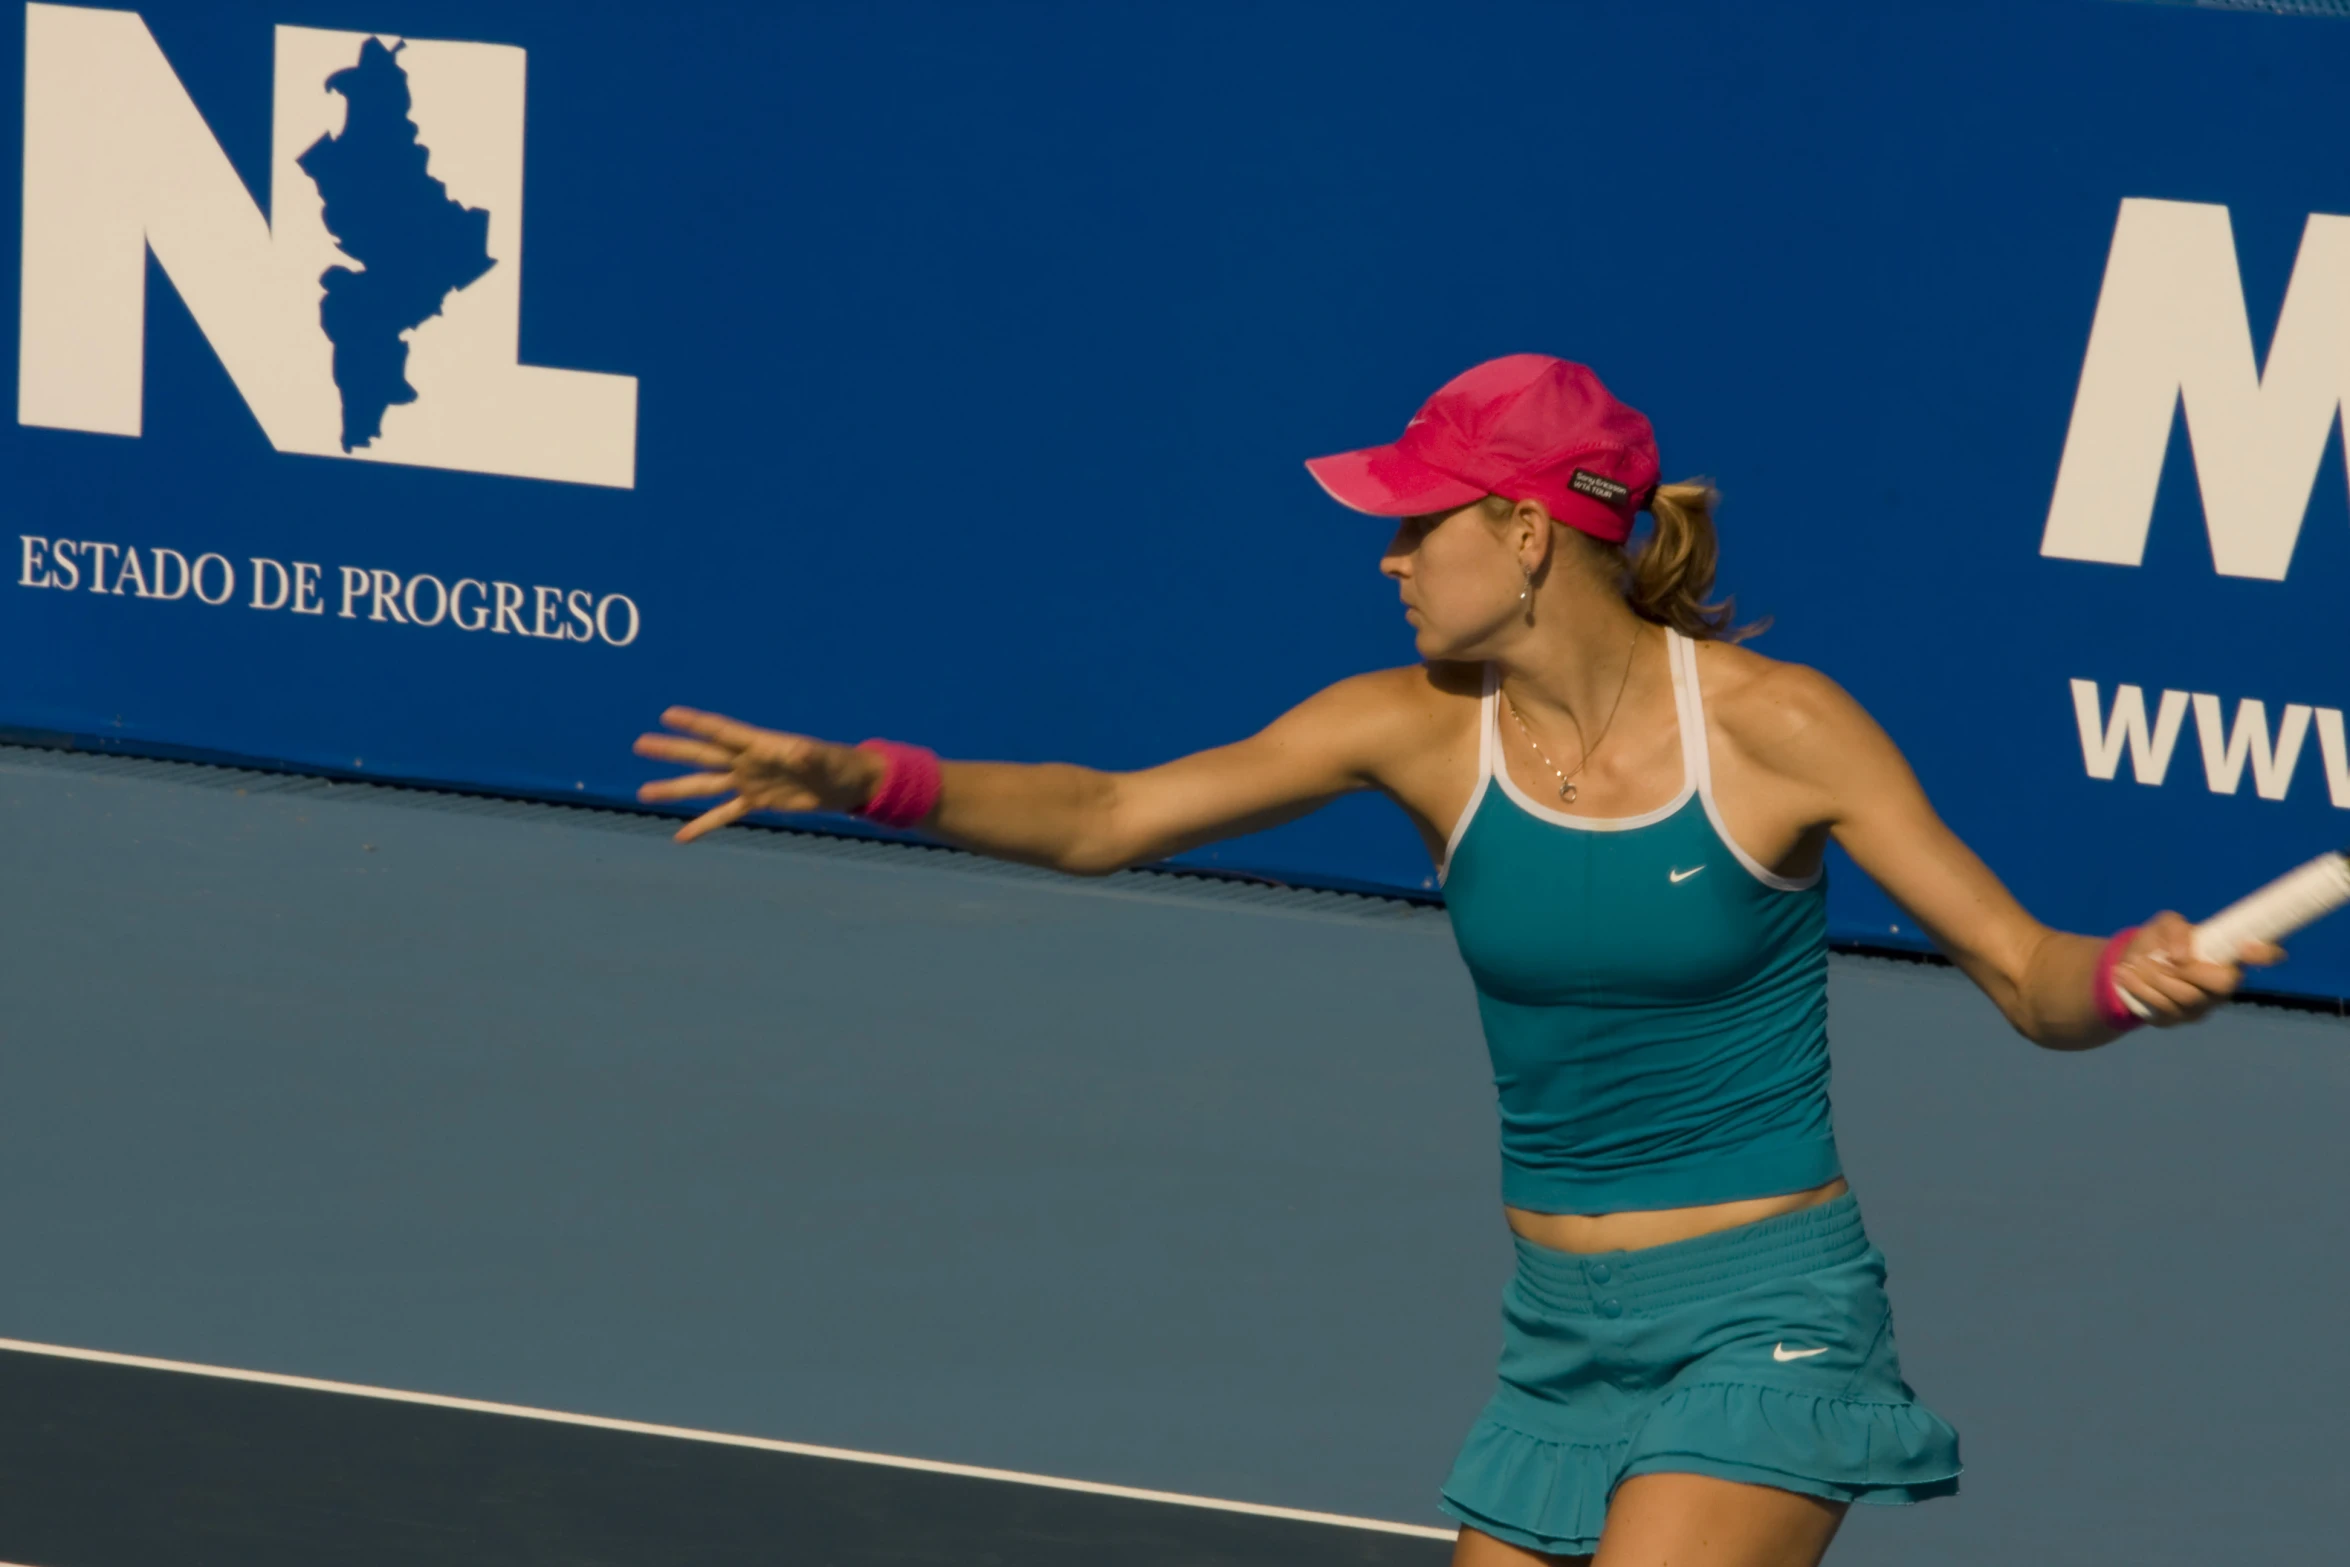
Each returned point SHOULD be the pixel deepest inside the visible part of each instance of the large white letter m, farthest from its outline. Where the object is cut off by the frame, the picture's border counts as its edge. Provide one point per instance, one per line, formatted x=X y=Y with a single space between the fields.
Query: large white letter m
x=2171 y=325
x=375 y=314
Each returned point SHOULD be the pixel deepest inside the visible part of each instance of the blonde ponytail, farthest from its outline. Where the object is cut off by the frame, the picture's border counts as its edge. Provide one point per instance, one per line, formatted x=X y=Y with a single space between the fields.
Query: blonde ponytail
x=1667 y=578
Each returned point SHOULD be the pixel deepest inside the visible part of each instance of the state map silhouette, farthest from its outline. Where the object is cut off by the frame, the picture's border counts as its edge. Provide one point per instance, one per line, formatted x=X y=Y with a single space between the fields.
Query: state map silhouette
x=415 y=245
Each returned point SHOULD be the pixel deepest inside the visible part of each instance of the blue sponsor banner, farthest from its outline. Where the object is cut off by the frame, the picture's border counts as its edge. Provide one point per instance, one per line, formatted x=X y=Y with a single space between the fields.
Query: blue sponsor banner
x=944 y=372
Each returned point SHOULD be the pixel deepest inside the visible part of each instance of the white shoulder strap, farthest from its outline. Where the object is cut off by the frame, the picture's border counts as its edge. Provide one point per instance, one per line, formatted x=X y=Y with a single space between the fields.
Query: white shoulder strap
x=1701 y=769
x=1488 y=717
x=1488 y=758
x=1697 y=771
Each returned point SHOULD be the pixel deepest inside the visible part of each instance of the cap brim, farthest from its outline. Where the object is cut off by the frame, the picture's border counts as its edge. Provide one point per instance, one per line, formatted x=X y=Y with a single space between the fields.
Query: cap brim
x=1385 y=481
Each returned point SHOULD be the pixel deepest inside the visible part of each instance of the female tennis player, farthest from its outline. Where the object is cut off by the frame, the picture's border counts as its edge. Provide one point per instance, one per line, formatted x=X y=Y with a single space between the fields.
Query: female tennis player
x=1629 y=812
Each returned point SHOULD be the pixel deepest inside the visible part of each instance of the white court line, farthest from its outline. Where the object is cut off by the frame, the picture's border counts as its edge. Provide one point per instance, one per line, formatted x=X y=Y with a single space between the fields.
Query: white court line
x=719 y=1438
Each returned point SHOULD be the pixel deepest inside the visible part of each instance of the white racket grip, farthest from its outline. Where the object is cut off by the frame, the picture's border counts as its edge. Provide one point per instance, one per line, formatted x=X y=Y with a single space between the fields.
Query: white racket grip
x=2276 y=910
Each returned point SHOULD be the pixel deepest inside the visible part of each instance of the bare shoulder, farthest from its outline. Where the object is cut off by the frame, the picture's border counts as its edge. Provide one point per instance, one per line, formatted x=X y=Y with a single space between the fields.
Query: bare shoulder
x=1384 y=718
x=1409 y=692
x=1789 y=718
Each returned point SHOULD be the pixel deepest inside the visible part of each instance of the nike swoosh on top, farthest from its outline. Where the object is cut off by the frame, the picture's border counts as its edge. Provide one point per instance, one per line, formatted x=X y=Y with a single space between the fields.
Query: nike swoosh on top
x=1782 y=1352
x=1678 y=877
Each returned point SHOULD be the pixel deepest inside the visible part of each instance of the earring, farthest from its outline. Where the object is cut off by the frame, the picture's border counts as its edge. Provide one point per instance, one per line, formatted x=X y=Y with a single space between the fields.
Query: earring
x=1526 y=593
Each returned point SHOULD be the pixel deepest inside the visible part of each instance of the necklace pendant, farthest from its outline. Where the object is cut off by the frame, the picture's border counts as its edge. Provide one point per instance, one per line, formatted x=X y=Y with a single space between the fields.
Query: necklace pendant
x=1567 y=791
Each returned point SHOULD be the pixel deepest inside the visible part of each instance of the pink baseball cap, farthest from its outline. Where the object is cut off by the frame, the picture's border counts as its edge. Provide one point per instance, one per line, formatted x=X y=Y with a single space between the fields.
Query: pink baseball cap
x=1524 y=427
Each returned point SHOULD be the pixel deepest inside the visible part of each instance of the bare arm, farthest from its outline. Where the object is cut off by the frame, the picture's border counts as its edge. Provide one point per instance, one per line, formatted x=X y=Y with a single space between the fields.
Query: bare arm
x=2041 y=979
x=1063 y=817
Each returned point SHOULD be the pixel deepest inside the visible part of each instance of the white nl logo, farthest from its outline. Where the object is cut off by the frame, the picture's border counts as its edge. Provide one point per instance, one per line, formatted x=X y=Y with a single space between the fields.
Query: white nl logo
x=2171 y=327
x=375 y=314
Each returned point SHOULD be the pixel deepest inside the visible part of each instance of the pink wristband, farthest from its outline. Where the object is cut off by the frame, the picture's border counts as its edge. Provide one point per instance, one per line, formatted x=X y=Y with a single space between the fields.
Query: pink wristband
x=2114 y=1012
x=909 y=784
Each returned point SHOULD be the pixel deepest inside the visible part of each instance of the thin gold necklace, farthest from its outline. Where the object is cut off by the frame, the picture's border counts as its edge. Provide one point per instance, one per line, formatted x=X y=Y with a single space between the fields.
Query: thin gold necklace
x=1567 y=789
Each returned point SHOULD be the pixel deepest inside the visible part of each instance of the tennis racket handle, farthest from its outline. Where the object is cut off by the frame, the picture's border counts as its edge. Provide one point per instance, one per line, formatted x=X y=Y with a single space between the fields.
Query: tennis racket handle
x=2276 y=910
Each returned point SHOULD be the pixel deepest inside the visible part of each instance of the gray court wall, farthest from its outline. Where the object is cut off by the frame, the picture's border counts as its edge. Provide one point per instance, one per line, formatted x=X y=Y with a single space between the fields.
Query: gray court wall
x=1146 y=1181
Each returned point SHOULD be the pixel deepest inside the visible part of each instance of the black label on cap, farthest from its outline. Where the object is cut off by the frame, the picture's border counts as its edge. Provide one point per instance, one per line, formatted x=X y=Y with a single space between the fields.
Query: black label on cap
x=1599 y=488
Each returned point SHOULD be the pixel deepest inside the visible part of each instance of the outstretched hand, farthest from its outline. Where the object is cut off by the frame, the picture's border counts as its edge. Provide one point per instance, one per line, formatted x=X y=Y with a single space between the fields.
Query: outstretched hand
x=2160 y=968
x=759 y=769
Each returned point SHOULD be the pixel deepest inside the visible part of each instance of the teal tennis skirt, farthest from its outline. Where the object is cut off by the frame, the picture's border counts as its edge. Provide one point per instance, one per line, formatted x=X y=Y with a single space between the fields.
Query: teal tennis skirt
x=1762 y=1354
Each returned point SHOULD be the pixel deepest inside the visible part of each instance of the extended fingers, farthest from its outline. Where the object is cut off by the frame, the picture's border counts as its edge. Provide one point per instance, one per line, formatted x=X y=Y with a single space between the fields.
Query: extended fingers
x=764 y=769
x=711 y=820
x=675 y=748
x=688 y=786
x=726 y=731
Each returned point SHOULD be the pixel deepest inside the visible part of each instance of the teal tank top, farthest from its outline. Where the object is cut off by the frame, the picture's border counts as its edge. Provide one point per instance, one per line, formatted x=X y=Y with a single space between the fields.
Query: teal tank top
x=1655 y=1001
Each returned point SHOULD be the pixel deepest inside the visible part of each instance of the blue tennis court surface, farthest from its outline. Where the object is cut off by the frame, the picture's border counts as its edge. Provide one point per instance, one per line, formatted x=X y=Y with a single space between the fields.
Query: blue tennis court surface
x=1150 y=1183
